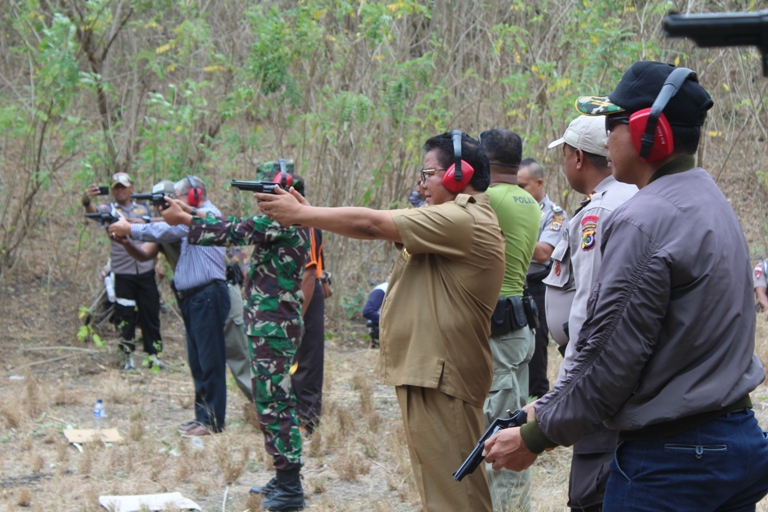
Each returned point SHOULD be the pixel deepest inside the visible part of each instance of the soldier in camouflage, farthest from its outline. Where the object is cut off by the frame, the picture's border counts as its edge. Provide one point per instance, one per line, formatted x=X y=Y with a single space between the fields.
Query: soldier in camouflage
x=274 y=327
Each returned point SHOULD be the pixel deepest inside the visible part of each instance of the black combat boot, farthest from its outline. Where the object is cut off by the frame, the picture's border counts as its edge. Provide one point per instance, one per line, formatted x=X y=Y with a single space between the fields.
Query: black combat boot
x=287 y=494
x=265 y=489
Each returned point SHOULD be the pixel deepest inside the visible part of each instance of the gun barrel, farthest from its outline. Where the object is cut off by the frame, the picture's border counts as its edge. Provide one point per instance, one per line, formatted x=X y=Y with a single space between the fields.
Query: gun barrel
x=728 y=29
x=265 y=187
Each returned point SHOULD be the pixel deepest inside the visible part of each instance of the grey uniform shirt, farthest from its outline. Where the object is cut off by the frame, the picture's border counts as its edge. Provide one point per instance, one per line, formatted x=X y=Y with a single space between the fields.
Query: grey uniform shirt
x=121 y=261
x=553 y=218
x=758 y=276
x=576 y=262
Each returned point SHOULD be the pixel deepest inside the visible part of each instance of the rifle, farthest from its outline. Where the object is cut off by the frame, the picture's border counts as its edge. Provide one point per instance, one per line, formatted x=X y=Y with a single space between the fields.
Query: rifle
x=729 y=29
x=517 y=418
x=154 y=198
x=265 y=187
x=103 y=218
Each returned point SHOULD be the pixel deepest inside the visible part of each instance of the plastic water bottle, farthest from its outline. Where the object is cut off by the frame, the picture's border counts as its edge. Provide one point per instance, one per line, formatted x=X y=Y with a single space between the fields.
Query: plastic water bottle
x=109 y=283
x=98 y=415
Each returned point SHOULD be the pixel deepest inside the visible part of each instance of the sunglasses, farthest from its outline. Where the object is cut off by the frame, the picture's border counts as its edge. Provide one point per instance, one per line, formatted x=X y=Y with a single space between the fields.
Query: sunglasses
x=612 y=121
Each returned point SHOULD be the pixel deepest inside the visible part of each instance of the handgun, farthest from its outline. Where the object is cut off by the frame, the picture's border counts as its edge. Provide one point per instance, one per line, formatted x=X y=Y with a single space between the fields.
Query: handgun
x=265 y=187
x=154 y=198
x=727 y=29
x=103 y=218
x=469 y=466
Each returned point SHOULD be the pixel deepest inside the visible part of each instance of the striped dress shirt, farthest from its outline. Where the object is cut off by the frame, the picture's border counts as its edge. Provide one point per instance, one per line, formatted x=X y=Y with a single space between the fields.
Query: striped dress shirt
x=197 y=265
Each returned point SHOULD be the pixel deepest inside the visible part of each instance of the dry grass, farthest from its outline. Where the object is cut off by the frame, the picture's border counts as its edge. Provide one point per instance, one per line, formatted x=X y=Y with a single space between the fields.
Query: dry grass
x=356 y=460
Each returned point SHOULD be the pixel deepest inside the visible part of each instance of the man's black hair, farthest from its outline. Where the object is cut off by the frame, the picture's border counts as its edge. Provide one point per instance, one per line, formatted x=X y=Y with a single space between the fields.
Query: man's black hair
x=535 y=170
x=471 y=152
x=686 y=138
x=503 y=146
x=599 y=161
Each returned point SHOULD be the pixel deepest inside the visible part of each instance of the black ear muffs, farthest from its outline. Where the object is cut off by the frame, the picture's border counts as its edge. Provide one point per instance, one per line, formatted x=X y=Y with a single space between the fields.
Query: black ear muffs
x=458 y=175
x=649 y=129
x=284 y=179
x=193 y=196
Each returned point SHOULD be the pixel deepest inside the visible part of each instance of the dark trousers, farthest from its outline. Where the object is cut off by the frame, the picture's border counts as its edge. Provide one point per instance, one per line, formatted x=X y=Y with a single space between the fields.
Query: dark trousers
x=538 y=384
x=142 y=289
x=204 y=314
x=307 y=380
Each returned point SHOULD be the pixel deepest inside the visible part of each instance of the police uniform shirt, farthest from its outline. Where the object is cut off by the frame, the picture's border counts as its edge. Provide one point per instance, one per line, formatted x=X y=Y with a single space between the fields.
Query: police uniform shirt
x=758 y=276
x=576 y=262
x=122 y=262
x=553 y=218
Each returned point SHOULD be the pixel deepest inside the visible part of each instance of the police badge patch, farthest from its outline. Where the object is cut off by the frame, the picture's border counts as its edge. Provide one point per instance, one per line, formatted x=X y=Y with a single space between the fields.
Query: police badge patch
x=557 y=222
x=589 y=232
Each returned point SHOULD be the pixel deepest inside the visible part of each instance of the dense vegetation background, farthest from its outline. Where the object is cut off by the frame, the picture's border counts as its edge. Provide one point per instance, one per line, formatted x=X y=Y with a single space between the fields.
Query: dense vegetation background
x=349 y=89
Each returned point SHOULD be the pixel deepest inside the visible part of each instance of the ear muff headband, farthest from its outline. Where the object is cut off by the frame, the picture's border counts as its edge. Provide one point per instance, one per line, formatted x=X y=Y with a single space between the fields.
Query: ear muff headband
x=193 y=196
x=458 y=175
x=650 y=131
x=284 y=179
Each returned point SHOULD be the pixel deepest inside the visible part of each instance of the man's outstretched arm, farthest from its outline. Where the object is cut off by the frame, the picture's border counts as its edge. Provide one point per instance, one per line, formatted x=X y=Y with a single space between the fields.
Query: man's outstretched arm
x=354 y=222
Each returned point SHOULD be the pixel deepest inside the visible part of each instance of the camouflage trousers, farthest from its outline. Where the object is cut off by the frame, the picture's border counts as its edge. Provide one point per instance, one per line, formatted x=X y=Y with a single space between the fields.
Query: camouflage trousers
x=275 y=401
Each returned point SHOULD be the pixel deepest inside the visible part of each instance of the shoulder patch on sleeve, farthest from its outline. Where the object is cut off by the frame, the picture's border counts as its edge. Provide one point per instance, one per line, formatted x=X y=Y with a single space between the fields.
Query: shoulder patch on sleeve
x=759 y=271
x=557 y=221
x=589 y=232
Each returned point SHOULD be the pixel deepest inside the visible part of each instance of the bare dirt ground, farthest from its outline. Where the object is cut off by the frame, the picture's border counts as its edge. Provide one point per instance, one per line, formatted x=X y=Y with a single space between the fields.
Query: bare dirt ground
x=49 y=382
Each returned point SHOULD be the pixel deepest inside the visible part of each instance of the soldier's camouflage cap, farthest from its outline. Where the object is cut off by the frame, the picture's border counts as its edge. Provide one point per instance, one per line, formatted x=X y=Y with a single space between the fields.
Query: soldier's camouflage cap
x=639 y=88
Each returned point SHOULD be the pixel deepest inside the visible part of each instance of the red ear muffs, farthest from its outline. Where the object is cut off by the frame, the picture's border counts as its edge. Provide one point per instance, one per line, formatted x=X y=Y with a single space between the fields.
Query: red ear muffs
x=279 y=179
x=450 y=182
x=193 y=196
x=663 y=142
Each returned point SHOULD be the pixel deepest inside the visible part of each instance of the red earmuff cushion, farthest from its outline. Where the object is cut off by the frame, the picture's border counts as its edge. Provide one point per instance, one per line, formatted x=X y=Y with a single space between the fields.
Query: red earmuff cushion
x=663 y=142
x=279 y=179
x=453 y=185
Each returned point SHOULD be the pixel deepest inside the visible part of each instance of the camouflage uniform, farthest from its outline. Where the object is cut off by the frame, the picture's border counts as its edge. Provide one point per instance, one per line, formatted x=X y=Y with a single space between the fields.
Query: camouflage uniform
x=272 y=318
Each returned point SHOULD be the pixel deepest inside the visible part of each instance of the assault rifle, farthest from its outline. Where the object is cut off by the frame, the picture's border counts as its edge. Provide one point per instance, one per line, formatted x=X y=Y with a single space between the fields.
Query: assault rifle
x=469 y=466
x=103 y=218
x=728 y=29
x=265 y=187
x=154 y=198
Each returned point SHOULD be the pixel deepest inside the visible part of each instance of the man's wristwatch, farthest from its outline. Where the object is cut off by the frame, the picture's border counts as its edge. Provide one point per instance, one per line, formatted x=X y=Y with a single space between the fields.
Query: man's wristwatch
x=193 y=212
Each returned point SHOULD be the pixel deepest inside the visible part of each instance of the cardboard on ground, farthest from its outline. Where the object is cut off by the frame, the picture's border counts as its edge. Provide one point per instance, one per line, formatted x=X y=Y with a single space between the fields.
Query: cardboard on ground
x=85 y=435
x=150 y=501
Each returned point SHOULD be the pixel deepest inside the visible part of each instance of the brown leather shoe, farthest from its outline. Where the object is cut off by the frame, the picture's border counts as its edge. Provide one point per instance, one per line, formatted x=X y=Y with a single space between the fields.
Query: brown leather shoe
x=196 y=431
x=186 y=426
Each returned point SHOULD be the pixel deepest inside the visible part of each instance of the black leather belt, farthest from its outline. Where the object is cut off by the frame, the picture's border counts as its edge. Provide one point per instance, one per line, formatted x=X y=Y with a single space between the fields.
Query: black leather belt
x=182 y=294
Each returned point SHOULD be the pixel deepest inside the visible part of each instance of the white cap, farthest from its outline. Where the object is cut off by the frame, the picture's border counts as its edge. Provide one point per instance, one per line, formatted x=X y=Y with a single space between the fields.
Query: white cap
x=586 y=133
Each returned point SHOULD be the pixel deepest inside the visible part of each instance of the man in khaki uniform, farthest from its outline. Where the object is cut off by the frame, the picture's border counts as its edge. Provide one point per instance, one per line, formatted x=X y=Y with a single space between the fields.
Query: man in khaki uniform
x=437 y=310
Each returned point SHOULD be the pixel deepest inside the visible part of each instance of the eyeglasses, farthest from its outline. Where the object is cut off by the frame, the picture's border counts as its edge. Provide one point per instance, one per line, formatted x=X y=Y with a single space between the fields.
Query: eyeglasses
x=429 y=172
x=612 y=121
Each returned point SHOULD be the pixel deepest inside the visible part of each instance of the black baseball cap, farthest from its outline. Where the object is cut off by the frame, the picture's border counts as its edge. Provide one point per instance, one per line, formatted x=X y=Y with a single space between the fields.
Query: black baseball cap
x=639 y=88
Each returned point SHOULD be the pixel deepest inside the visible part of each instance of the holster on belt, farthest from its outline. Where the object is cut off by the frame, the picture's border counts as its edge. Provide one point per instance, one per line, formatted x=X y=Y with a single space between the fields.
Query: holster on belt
x=508 y=316
x=531 y=311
